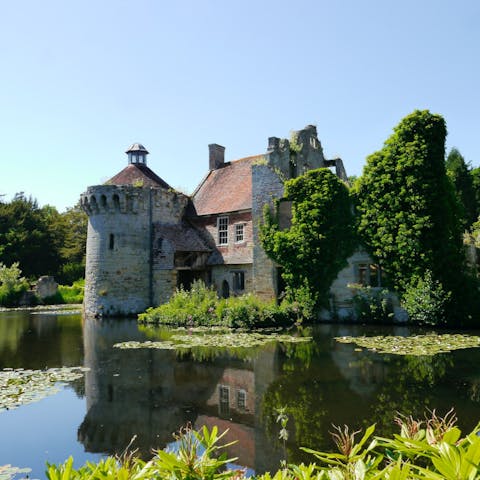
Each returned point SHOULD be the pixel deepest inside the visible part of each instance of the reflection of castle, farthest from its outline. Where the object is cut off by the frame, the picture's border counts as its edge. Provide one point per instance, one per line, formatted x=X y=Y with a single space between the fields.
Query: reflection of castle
x=151 y=394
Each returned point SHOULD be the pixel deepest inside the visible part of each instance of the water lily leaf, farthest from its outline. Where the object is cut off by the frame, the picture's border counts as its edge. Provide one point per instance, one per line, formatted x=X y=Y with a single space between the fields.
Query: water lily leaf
x=418 y=345
x=203 y=338
x=20 y=387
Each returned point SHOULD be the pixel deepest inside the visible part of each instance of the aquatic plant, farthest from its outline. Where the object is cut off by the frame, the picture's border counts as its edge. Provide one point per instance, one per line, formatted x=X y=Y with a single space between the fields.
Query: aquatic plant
x=19 y=387
x=227 y=339
x=8 y=472
x=430 y=344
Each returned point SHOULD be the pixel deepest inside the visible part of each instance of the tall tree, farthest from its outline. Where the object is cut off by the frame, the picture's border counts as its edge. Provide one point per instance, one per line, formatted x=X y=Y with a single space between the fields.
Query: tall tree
x=408 y=211
x=475 y=174
x=321 y=236
x=460 y=174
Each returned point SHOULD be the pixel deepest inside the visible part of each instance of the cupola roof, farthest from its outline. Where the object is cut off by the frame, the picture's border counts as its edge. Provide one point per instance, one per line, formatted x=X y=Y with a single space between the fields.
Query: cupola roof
x=136 y=147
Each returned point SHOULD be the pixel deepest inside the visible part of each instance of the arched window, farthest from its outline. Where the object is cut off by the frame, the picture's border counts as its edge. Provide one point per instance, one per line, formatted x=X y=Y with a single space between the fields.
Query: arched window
x=116 y=202
x=225 y=289
x=103 y=201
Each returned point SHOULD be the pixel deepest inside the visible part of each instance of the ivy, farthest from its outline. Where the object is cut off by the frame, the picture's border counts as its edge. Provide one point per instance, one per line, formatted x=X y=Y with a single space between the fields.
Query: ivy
x=321 y=237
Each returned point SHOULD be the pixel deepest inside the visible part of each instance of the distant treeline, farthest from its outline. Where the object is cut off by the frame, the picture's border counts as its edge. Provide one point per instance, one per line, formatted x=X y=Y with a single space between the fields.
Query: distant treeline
x=42 y=240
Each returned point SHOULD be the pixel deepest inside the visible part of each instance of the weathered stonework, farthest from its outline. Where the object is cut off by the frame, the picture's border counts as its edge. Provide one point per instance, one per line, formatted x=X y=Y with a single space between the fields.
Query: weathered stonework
x=266 y=188
x=145 y=239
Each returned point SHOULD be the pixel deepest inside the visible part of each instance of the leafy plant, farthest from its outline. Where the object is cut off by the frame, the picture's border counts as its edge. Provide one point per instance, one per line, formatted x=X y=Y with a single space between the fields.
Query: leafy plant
x=352 y=460
x=426 y=301
x=314 y=249
x=12 y=284
x=372 y=305
x=200 y=306
x=409 y=216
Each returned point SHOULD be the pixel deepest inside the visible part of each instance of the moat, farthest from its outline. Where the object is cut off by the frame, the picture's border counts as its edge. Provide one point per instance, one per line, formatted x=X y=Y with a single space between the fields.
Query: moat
x=152 y=393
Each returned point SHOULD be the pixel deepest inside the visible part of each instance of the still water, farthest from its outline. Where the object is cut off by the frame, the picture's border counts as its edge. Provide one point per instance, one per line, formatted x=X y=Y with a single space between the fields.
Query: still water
x=151 y=393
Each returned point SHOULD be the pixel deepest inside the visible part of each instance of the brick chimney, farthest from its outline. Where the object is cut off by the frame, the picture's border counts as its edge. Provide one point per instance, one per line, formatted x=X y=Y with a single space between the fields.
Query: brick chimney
x=216 y=156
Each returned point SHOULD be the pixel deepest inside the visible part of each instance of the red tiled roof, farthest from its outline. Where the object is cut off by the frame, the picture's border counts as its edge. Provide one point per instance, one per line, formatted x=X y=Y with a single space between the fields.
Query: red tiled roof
x=137 y=174
x=227 y=189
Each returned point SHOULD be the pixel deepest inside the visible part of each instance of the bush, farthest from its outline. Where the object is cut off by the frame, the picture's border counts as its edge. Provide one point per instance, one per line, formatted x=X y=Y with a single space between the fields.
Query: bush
x=426 y=301
x=201 y=307
x=372 y=305
x=12 y=285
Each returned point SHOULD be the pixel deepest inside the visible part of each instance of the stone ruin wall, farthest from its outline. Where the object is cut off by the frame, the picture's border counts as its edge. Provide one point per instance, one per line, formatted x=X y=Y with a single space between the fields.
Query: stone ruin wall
x=118 y=269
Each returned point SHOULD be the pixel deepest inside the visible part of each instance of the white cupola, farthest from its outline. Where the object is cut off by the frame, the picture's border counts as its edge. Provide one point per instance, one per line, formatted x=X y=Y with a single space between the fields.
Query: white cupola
x=137 y=154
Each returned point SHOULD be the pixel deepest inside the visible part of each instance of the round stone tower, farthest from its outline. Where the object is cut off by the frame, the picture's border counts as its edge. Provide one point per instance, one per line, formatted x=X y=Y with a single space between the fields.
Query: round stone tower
x=119 y=265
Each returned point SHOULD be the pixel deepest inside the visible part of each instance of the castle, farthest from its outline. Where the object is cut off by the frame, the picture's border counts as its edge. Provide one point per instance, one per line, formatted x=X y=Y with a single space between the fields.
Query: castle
x=145 y=239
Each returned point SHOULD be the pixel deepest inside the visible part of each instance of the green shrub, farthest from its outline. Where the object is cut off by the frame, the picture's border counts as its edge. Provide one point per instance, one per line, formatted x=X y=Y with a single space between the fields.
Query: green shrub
x=201 y=307
x=423 y=449
x=12 y=285
x=372 y=305
x=426 y=301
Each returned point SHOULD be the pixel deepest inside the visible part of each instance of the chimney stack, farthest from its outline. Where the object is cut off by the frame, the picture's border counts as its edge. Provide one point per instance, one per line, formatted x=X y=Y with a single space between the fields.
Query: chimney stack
x=273 y=144
x=216 y=156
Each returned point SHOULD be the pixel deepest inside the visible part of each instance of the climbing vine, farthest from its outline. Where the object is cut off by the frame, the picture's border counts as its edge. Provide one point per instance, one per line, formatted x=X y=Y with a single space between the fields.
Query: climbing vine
x=315 y=247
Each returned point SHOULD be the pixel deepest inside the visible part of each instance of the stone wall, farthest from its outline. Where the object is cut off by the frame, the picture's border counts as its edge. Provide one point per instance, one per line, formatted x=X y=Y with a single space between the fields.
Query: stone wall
x=221 y=273
x=164 y=285
x=266 y=187
x=340 y=290
x=119 y=264
x=293 y=158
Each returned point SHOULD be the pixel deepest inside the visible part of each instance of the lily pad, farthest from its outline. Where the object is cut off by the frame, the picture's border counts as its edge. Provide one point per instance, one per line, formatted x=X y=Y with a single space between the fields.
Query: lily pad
x=7 y=472
x=228 y=339
x=418 y=345
x=19 y=387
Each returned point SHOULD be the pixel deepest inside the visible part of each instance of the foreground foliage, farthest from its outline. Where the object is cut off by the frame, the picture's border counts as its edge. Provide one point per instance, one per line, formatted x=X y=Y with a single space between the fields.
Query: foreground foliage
x=432 y=448
x=200 y=306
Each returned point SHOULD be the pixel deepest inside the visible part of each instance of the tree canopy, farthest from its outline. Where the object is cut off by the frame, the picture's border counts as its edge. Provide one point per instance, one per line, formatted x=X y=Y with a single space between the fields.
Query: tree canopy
x=460 y=174
x=408 y=212
x=42 y=240
x=321 y=236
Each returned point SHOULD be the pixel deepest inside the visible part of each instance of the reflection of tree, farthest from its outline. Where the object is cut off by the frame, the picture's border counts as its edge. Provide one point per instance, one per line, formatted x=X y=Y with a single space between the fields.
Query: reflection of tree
x=37 y=341
x=408 y=388
x=300 y=392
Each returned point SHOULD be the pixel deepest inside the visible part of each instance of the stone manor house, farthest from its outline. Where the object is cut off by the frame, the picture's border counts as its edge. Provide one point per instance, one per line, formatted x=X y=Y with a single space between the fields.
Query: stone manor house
x=145 y=239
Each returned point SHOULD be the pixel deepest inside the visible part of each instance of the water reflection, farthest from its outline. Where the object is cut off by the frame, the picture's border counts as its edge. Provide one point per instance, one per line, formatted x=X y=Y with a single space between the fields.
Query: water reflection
x=152 y=393
x=40 y=340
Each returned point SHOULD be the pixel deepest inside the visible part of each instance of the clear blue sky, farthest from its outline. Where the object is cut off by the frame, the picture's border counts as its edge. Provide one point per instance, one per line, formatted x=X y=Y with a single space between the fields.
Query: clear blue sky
x=83 y=80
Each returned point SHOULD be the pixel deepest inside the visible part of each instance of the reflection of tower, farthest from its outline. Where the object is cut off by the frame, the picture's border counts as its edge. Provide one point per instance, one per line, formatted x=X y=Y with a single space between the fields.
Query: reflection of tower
x=152 y=393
